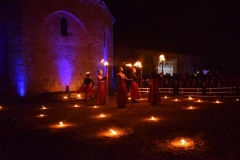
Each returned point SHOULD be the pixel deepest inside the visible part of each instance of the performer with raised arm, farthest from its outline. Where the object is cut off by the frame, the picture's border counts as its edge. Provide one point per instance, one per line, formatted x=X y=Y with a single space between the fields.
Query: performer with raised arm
x=134 y=91
x=122 y=98
x=101 y=91
x=154 y=95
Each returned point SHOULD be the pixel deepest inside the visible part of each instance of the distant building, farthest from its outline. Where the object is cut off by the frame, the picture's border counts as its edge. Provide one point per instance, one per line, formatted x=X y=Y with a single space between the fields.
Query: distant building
x=174 y=62
x=46 y=45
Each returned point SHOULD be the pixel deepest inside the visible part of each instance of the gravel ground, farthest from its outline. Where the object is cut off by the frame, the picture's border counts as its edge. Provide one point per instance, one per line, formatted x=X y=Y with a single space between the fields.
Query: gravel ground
x=211 y=130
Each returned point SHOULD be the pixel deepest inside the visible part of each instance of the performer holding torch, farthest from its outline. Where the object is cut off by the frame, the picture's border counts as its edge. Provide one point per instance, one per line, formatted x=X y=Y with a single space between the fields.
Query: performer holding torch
x=154 y=95
x=122 y=98
x=134 y=91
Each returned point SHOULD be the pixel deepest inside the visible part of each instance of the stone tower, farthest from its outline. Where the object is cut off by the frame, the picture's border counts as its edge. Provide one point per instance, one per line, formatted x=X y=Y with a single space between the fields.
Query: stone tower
x=46 y=45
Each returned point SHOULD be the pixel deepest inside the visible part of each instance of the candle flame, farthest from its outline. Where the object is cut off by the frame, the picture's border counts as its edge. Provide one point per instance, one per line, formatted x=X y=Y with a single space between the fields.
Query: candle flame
x=152 y=118
x=176 y=99
x=237 y=100
x=112 y=131
x=217 y=101
x=183 y=141
x=199 y=100
x=165 y=97
x=43 y=107
x=0 y=107
x=78 y=95
x=190 y=98
x=41 y=115
x=95 y=106
x=65 y=97
x=76 y=105
x=102 y=115
x=191 y=107
x=60 y=124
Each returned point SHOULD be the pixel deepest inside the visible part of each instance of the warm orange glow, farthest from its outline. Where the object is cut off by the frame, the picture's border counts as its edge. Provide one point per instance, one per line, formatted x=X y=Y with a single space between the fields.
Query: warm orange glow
x=162 y=58
x=138 y=64
x=105 y=63
x=152 y=118
x=112 y=131
x=237 y=99
x=61 y=124
x=129 y=65
x=0 y=107
x=190 y=107
x=43 y=107
x=102 y=115
x=190 y=98
x=183 y=142
x=65 y=97
x=176 y=99
x=76 y=105
x=79 y=96
x=165 y=97
x=102 y=60
x=95 y=107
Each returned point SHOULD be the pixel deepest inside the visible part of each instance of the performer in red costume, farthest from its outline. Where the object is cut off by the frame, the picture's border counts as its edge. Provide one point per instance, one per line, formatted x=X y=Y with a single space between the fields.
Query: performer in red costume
x=154 y=95
x=87 y=89
x=122 y=98
x=134 y=92
x=101 y=91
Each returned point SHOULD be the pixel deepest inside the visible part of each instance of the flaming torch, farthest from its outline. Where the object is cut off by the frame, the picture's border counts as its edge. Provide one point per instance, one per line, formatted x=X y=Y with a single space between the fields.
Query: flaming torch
x=162 y=59
x=105 y=63
x=139 y=65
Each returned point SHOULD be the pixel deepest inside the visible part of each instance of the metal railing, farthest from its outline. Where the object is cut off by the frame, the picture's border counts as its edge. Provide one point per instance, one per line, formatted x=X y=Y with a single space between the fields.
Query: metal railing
x=210 y=91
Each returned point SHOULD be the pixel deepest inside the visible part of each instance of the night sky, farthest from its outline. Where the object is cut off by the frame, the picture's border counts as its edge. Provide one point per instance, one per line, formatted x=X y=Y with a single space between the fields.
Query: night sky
x=196 y=28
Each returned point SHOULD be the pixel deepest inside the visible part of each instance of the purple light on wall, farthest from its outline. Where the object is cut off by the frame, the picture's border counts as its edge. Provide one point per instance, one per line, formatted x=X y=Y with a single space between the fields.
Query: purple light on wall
x=65 y=70
x=20 y=78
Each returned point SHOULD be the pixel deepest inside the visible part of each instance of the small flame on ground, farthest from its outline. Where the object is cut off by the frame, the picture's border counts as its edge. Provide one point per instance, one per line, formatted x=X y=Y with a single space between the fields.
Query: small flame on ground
x=95 y=107
x=41 y=115
x=183 y=142
x=190 y=107
x=65 y=97
x=0 y=107
x=152 y=118
x=165 y=97
x=217 y=101
x=102 y=115
x=112 y=131
x=43 y=107
x=199 y=100
x=76 y=105
x=60 y=124
x=190 y=98
x=237 y=99
x=176 y=99
x=79 y=96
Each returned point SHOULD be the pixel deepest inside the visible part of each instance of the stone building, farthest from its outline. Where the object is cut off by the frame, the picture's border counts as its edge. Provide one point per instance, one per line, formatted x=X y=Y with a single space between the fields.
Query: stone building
x=46 y=45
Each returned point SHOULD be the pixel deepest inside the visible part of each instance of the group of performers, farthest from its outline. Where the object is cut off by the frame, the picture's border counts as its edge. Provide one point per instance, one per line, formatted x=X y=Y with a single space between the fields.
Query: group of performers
x=122 y=95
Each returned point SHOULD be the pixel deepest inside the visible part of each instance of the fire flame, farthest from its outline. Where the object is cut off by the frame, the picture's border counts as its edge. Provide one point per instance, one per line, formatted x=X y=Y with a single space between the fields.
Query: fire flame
x=112 y=131
x=138 y=64
x=152 y=118
x=129 y=65
x=101 y=115
x=183 y=142
x=60 y=124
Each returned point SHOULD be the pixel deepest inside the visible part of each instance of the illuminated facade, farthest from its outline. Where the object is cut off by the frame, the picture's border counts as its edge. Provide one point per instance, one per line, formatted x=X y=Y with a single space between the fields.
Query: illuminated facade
x=46 y=45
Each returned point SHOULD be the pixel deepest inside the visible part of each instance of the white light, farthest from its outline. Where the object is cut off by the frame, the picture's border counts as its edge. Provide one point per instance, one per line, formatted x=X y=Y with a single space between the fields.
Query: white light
x=105 y=63
x=60 y=123
x=79 y=96
x=162 y=58
x=112 y=131
x=183 y=141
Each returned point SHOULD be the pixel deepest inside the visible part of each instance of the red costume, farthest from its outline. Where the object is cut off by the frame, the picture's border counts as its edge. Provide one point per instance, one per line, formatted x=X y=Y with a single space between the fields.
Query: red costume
x=122 y=98
x=101 y=91
x=134 y=92
x=87 y=89
x=154 y=95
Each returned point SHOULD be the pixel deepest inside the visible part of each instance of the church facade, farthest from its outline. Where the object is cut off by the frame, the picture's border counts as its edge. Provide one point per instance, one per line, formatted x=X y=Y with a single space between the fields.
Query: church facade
x=46 y=45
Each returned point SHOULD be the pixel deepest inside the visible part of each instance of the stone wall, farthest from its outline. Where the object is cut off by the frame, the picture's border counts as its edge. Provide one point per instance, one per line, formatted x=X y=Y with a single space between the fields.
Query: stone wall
x=47 y=61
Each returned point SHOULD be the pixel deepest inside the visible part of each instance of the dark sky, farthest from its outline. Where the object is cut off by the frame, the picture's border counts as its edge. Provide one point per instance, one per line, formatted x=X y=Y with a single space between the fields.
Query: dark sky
x=188 y=28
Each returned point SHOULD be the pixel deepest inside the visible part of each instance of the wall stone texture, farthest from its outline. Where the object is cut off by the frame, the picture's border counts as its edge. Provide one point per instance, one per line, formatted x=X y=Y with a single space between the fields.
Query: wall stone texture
x=40 y=59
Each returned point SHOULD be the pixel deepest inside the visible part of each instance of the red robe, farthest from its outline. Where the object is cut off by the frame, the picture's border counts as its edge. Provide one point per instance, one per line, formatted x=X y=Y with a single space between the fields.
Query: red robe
x=134 y=91
x=101 y=92
x=122 y=98
x=154 y=95
x=87 y=89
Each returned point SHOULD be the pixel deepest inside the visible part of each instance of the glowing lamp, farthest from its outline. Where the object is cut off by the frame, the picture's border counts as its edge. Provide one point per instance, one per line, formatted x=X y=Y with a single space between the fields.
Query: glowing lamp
x=176 y=99
x=41 y=115
x=65 y=97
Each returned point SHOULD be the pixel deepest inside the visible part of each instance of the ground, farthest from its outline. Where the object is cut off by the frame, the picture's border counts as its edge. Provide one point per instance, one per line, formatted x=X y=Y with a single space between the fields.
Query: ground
x=210 y=130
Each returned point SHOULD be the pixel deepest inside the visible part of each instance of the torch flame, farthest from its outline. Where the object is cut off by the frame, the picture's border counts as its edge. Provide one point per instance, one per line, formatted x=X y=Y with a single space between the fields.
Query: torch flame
x=138 y=64
x=105 y=63
x=162 y=58
x=129 y=65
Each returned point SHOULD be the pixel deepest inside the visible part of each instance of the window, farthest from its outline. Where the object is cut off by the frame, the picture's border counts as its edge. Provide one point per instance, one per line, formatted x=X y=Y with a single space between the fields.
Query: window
x=64 y=27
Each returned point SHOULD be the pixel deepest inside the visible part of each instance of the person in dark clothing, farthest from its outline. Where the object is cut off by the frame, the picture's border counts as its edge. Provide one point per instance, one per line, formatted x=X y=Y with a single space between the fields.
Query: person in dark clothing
x=87 y=87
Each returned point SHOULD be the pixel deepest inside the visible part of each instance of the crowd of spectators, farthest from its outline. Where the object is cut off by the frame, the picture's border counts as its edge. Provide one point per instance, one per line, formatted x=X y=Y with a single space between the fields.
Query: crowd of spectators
x=198 y=80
